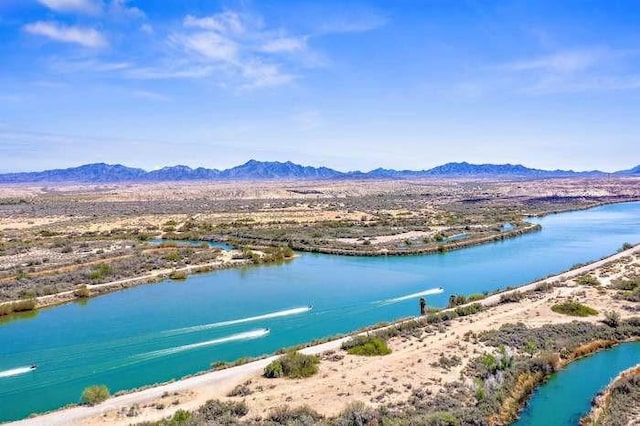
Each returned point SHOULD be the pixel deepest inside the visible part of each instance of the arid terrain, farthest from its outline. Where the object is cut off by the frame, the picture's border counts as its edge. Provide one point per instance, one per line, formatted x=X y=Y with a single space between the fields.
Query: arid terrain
x=60 y=238
x=432 y=363
x=76 y=241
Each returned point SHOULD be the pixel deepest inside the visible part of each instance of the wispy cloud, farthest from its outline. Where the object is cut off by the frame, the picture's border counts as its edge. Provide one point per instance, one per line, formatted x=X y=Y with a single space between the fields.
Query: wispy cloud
x=90 y=7
x=90 y=65
x=208 y=45
x=236 y=49
x=227 y=22
x=284 y=44
x=121 y=9
x=259 y=74
x=575 y=70
x=565 y=61
x=550 y=86
x=114 y=8
x=232 y=45
x=350 y=22
x=84 y=36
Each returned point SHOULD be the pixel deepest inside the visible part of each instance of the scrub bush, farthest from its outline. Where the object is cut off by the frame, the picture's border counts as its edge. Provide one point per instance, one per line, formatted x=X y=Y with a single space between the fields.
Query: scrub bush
x=95 y=394
x=293 y=365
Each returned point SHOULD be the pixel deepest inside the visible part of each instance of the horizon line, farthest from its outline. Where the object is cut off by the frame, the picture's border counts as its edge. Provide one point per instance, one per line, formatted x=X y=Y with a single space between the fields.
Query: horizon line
x=312 y=166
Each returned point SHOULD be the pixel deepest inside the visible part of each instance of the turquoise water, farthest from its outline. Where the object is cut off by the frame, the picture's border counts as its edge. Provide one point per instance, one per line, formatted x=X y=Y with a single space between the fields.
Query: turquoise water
x=567 y=395
x=158 y=332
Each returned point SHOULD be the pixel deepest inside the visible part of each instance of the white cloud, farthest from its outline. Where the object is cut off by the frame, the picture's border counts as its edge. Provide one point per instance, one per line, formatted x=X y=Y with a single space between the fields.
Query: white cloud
x=237 y=45
x=121 y=9
x=226 y=22
x=284 y=44
x=172 y=71
x=87 y=37
x=564 y=62
x=90 y=7
x=232 y=49
x=586 y=69
x=209 y=45
x=91 y=65
x=259 y=74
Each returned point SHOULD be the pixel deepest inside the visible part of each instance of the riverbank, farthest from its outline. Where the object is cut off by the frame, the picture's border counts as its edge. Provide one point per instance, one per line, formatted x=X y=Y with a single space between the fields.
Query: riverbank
x=619 y=401
x=69 y=292
x=227 y=261
x=408 y=251
x=414 y=363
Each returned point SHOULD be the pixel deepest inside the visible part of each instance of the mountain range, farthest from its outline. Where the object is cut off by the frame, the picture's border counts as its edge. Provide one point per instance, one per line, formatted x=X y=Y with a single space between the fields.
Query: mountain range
x=260 y=170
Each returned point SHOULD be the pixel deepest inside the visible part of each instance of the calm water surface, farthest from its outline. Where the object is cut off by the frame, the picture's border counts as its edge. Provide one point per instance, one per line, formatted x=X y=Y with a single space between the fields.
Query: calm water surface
x=155 y=333
x=567 y=395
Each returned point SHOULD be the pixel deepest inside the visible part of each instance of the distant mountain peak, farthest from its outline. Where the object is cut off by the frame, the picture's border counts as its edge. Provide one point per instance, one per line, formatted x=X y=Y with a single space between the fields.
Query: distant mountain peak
x=256 y=170
x=633 y=171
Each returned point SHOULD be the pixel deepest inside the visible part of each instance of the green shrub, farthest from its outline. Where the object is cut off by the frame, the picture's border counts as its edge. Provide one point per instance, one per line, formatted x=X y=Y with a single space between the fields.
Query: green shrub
x=284 y=415
x=474 y=308
x=612 y=319
x=357 y=413
x=460 y=311
x=366 y=345
x=95 y=394
x=82 y=292
x=172 y=257
x=443 y=418
x=100 y=271
x=476 y=297
x=433 y=319
x=178 y=275
x=181 y=416
x=630 y=283
x=456 y=300
x=214 y=409
x=241 y=390
x=293 y=365
x=588 y=280
x=511 y=297
x=573 y=308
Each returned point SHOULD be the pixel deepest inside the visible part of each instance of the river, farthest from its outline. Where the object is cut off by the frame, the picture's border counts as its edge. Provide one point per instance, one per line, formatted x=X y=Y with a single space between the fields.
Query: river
x=154 y=333
x=567 y=395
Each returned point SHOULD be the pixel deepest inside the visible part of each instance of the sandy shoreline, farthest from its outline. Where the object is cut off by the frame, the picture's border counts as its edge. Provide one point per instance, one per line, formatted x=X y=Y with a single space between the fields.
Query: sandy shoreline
x=352 y=378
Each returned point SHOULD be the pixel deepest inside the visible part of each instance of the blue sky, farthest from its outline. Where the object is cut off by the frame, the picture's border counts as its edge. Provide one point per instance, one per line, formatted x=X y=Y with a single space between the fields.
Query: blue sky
x=350 y=85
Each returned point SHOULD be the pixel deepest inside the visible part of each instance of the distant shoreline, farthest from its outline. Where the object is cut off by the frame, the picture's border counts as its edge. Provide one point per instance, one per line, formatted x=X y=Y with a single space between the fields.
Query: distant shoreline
x=160 y=275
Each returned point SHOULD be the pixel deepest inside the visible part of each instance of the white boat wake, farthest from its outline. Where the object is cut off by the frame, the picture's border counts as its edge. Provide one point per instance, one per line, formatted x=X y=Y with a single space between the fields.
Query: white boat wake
x=413 y=296
x=15 y=371
x=284 y=313
x=255 y=334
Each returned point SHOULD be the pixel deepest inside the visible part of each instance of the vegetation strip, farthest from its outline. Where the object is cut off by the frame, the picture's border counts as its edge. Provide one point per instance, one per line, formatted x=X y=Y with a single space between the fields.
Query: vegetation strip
x=618 y=403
